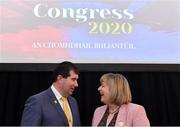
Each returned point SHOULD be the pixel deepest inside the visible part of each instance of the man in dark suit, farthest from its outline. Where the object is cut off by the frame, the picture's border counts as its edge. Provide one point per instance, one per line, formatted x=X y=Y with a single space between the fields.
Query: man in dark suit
x=48 y=108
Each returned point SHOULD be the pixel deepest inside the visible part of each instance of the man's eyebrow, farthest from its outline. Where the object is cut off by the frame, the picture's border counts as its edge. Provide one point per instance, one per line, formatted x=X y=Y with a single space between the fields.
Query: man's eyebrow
x=74 y=78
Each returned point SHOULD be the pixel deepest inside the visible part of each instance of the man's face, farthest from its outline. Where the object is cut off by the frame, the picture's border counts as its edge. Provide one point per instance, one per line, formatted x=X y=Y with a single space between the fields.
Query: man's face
x=69 y=84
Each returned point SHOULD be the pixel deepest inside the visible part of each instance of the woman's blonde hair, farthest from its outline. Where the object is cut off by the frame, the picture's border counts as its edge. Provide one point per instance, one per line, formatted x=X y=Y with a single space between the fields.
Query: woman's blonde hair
x=120 y=92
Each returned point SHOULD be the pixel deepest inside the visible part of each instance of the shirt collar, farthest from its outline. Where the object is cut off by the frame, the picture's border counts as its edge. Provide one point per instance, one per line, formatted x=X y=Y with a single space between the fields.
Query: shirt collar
x=56 y=93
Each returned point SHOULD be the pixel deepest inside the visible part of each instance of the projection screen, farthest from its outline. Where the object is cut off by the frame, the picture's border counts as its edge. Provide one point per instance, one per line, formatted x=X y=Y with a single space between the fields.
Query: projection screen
x=90 y=31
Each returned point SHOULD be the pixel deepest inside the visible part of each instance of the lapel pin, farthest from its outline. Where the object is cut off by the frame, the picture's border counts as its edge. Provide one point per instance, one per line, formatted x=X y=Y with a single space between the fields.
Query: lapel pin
x=120 y=124
x=55 y=101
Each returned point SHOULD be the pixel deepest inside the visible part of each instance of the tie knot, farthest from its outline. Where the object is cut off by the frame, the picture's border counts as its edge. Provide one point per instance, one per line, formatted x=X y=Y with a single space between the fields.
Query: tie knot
x=64 y=98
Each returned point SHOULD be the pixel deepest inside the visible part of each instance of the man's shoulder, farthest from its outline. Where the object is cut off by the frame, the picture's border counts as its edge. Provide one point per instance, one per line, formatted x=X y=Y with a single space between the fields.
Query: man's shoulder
x=39 y=96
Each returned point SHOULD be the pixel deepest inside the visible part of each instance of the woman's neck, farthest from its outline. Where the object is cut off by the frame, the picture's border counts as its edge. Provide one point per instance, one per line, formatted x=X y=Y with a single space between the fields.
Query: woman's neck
x=112 y=108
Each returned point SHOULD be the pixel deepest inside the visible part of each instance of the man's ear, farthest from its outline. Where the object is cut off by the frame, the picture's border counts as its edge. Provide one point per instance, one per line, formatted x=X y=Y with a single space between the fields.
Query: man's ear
x=59 y=78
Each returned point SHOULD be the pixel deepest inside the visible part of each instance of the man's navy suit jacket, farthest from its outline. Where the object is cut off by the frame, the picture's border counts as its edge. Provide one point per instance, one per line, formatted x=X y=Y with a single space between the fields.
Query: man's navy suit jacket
x=44 y=109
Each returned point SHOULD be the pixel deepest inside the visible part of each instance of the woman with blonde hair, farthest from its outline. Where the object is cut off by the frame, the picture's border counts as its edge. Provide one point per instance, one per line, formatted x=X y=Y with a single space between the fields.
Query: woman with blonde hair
x=118 y=109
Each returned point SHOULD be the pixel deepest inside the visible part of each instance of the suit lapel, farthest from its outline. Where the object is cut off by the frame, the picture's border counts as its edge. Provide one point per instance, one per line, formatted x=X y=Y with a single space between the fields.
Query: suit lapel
x=101 y=113
x=73 y=110
x=53 y=100
x=121 y=118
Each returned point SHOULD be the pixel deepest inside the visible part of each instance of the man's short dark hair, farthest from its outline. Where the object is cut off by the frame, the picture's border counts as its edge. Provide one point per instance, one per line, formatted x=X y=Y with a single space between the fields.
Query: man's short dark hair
x=63 y=69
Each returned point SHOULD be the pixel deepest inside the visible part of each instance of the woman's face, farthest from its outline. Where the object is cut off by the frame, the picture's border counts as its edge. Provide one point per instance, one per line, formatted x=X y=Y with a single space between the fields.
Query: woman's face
x=104 y=92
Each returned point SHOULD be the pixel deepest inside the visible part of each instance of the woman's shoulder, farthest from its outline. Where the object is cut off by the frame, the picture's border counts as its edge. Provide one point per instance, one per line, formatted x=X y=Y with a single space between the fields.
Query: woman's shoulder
x=137 y=113
x=133 y=107
x=101 y=108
